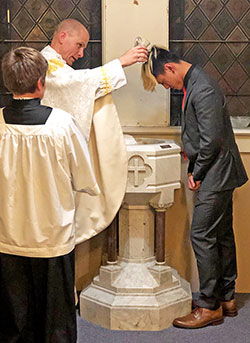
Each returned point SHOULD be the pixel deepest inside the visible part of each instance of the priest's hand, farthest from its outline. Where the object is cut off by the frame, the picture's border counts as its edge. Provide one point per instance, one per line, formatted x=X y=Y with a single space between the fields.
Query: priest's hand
x=136 y=54
x=192 y=184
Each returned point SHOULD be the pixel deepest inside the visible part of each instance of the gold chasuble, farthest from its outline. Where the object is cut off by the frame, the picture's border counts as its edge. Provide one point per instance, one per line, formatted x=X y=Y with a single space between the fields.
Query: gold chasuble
x=84 y=94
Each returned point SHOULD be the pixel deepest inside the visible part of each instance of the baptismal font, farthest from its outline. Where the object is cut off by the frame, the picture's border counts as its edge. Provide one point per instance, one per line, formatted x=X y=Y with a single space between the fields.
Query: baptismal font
x=137 y=290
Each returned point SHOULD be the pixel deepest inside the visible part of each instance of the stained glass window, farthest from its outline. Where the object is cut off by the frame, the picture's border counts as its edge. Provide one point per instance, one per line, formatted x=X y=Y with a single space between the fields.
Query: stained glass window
x=214 y=34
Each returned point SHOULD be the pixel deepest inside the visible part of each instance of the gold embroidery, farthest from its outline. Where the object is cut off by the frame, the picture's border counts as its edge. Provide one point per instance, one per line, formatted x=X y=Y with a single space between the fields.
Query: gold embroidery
x=108 y=87
x=54 y=65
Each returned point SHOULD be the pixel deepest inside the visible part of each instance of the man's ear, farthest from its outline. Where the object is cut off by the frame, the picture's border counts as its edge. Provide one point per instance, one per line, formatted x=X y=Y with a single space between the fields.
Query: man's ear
x=39 y=85
x=169 y=67
x=61 y=36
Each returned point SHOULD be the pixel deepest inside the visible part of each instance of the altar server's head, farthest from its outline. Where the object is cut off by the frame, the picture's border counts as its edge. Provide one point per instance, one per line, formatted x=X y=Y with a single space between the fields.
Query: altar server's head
x=24 y=71
x=70 y=39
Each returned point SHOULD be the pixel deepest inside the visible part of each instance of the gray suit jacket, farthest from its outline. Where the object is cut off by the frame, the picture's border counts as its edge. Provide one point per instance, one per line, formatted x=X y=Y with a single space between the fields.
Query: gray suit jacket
x=207 y=136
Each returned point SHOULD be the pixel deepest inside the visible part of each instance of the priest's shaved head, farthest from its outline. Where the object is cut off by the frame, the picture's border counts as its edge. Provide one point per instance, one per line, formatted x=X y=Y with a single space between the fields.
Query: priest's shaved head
x=70 y=26
x=70 y=39
x=22 y=68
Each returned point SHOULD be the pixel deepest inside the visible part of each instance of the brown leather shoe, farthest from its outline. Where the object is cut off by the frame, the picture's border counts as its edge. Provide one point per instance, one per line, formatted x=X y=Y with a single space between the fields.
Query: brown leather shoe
x=229 y=308
x=199 y=318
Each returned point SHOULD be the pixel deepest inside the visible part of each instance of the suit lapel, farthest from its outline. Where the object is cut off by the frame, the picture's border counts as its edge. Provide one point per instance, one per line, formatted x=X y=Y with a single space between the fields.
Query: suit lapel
x=191 y=82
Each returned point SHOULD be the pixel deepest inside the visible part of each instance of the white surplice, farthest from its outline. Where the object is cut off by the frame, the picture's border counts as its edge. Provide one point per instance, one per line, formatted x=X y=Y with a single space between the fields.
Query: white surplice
x=40 y=165
x=76 y=91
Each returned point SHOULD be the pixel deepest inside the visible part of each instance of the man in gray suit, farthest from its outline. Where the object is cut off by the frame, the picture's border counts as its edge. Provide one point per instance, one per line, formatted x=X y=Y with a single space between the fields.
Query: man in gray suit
x=215 y=170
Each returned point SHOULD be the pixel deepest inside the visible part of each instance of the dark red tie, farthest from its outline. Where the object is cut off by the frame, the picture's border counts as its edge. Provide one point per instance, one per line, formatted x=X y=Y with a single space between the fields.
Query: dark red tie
x=184 y=96
x=183 y=101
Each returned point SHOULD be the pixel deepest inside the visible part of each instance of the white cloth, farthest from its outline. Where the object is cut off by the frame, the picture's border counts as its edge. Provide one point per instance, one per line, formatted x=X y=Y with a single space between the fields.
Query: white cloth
x=40 y=166
x=75 y=91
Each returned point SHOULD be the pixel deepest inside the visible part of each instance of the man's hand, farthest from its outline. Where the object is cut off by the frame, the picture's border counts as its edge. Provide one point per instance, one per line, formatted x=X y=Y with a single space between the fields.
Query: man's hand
x=136 y=54
x=193 y=185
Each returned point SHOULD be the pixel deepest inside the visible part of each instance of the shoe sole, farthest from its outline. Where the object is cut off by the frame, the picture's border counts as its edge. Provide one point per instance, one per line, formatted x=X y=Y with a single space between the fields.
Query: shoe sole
x=230 y=313
x=212 y=322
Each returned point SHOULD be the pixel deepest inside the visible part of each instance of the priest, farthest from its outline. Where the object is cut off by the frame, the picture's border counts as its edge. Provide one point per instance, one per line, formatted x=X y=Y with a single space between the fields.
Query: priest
x=77 y=91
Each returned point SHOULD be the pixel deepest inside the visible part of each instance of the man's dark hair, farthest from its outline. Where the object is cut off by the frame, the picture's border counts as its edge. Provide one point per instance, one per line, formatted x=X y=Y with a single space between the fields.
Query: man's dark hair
x=158 y=56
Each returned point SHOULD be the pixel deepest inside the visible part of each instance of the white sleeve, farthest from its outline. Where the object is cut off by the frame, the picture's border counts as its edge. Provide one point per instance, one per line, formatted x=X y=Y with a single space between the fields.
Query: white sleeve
x=82 y=174
x=104 y=79
x=112 y=77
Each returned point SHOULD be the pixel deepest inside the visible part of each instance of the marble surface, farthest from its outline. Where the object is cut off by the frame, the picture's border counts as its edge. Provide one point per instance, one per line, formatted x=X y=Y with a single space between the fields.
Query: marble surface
x=136 y=232
x=136 y=298
x=154 y=171
x=136 y=293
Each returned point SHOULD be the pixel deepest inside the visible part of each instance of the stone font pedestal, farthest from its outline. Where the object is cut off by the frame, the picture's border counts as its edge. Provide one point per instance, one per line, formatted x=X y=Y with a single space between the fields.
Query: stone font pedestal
x=136 y=293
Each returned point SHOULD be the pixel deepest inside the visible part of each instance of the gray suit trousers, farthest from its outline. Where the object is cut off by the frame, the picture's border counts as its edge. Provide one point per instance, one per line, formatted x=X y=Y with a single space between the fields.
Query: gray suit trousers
x=214 y=246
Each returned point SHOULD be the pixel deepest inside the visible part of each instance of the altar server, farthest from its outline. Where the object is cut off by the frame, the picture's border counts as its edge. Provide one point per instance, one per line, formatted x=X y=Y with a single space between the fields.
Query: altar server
x=44 y=159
